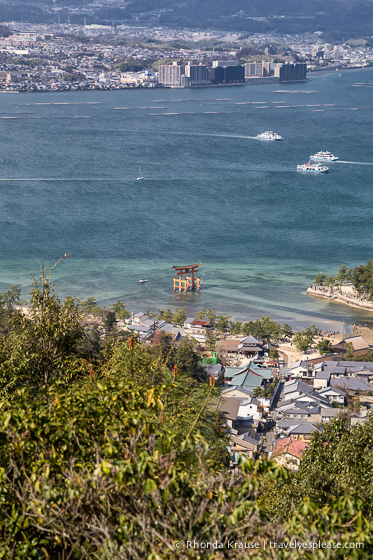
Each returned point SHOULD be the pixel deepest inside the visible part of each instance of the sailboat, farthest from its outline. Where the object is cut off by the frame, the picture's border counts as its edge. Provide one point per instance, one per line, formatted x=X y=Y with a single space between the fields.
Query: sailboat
x=140 y=177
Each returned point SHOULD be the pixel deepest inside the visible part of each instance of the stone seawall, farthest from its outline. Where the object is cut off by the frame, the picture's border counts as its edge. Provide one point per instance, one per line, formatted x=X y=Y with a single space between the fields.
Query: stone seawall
x=337 y=297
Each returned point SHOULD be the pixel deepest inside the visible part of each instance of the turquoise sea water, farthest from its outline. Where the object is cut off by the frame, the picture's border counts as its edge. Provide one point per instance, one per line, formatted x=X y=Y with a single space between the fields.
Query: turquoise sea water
x=211 y=192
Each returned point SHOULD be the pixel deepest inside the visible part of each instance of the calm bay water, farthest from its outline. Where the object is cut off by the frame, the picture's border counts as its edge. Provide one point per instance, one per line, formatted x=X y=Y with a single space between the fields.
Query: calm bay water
x=211 y=193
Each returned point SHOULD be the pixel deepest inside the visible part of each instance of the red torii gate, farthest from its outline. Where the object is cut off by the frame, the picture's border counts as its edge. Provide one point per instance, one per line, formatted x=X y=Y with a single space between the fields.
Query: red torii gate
x=189 y=282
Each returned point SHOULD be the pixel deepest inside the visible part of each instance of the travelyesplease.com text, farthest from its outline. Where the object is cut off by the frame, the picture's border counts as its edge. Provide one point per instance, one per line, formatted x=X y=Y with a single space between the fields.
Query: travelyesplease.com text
x=295 y=544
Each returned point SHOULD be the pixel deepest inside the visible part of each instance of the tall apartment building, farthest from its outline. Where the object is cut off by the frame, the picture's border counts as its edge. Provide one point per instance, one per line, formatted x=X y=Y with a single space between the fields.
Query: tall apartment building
x=198 y=74
x=266 y=68
x=291 y=72
x=227 y=74
x=270 y=67
x=169 y=74
x=253 y=69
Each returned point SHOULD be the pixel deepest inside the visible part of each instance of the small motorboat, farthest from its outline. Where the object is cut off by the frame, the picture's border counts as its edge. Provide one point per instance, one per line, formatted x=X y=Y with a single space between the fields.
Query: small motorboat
x=142 y=281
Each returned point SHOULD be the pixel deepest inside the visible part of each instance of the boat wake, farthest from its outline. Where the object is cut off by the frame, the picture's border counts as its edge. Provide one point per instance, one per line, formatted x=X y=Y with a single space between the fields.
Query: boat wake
x=55 y=179
x=355 y=162
x=211 y=135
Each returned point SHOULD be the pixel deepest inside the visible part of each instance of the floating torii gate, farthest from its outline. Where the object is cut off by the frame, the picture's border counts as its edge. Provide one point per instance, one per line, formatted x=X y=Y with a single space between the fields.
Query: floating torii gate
x=190 y=281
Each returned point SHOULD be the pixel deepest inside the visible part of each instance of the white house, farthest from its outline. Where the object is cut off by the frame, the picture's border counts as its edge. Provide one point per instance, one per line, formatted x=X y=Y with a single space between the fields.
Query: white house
x=196 y=328
x=333 y=394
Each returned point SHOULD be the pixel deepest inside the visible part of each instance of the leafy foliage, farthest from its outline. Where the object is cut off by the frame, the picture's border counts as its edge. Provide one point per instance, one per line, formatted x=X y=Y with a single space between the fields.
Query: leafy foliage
x=264 y=329
x=41 y=346
x=324 y=347
x=120 y=310
x=8 y=300
x=304 y=340
x=363 y=278
x=338 y=463
x=116 y=453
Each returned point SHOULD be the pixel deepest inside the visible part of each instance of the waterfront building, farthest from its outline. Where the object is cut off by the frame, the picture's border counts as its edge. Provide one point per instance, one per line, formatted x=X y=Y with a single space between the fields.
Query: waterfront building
x=267 y=69
x=197 y=329
x=291 y=72
x=169 y=74
x=227 y=74
x=198 y=74
x=184 y=81
x=253 y=69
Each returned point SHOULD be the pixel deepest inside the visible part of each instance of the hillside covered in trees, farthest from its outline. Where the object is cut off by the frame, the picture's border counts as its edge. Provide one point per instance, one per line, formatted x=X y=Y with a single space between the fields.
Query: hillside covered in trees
x=114 y=450
x=255 y=16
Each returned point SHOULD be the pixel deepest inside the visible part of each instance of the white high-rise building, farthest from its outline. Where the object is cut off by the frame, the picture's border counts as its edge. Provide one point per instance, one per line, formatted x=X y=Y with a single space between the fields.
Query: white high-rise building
x=169 y=74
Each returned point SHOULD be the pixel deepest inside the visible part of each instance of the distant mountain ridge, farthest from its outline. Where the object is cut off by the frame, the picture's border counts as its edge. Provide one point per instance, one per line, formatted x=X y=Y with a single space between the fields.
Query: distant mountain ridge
x=285 y=16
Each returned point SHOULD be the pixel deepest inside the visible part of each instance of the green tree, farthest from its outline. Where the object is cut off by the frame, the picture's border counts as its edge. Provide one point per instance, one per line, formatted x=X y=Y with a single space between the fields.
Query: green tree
x=109 y=321
x=90 y=306
x=11 y=297
x=324 y=347
x=150 y=314
x=120 y=310
x=342 y=273
x=207 y=315
x=164 y=348
x=302 y=342
x=131 y=65
x=287 y=331
x=43 y=345
x=188 y=359
x=235 y=327
x=338 y=461
x=211 y=340
x=350 y=352
x=179 y=317
x=330 y=281
x=310 y=334
x=248 y=328
x=368 y=357
x=8 y=300
x=268 y=392
x=320 y=279
x=265 y=329
x=362 y=278
x=165 y=315
x=273 y=353
x=222 y=324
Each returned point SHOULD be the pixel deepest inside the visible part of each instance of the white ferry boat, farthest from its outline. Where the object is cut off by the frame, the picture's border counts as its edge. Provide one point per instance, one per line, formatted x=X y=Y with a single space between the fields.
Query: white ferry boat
x=269 y=135
x=324 y=156
x=313 y=168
